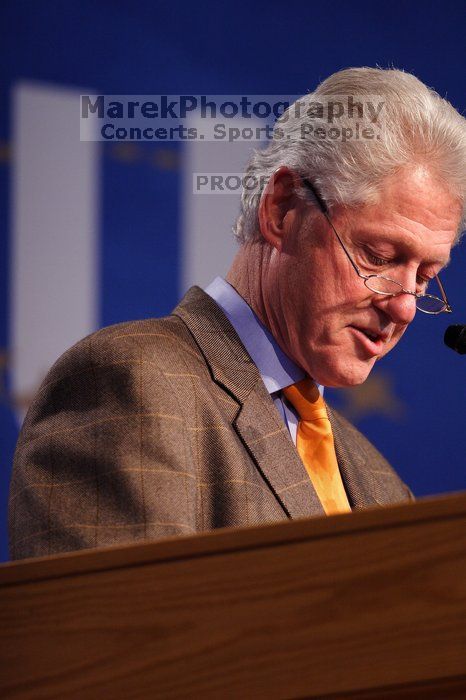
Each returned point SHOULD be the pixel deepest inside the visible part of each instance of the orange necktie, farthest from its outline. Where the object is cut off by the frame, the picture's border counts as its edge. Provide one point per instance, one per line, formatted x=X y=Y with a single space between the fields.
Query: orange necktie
x=314 y=442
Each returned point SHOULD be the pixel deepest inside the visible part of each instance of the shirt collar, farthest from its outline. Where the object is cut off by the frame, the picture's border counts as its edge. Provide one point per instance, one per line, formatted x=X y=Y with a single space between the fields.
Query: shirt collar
x=276 y=368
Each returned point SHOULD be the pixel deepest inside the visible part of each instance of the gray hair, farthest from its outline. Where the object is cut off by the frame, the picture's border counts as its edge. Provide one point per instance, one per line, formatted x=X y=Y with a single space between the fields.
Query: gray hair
x=415 y=125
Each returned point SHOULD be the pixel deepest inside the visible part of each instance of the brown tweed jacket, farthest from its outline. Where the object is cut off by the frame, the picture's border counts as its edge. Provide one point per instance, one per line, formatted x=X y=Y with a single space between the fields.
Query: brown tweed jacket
x=164 y=427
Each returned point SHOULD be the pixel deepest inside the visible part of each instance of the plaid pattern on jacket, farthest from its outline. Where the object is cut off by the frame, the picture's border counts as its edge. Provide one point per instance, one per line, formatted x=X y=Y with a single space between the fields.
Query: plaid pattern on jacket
x=163 y=427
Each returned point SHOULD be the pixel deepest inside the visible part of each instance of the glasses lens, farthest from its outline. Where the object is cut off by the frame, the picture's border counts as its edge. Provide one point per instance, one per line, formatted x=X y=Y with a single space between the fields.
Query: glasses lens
x=382 y=285
x=430 y=304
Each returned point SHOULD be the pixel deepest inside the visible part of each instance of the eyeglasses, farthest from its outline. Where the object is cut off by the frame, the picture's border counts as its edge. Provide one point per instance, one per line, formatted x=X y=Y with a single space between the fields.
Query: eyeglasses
x=428 y=303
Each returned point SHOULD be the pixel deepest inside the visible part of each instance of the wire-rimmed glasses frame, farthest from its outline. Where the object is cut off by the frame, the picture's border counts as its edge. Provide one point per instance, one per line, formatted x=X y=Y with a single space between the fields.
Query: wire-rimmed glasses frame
x=369 y=280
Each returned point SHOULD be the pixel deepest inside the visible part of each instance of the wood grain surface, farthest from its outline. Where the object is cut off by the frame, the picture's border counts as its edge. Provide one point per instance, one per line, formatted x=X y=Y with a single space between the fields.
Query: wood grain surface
x=365 y=605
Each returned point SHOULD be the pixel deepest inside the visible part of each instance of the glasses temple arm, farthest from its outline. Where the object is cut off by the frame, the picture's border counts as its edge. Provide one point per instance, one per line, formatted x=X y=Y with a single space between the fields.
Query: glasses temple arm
x=324 y=209
x=445 y=299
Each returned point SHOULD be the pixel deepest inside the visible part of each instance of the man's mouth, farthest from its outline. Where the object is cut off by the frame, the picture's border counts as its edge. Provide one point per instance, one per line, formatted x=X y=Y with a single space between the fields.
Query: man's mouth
x=375 y=340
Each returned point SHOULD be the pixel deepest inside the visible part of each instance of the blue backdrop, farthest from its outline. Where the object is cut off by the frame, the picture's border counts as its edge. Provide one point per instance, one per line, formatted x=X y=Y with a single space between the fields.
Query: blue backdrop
x=413 y=410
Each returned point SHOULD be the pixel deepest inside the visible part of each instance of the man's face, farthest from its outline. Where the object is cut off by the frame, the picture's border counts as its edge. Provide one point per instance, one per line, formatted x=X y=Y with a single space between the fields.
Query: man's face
x=318 y=308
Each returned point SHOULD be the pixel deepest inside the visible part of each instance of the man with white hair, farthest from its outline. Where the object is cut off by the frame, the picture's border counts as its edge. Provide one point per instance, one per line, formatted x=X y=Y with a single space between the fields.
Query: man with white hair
x=214 y=416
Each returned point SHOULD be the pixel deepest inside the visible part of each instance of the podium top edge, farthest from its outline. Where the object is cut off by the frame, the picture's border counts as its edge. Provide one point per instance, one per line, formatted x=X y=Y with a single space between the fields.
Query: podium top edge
x=228 y=540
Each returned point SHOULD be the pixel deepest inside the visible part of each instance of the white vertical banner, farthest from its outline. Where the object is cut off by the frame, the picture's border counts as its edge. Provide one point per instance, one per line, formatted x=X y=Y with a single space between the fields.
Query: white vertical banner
x=208 y=246
x=55 y=228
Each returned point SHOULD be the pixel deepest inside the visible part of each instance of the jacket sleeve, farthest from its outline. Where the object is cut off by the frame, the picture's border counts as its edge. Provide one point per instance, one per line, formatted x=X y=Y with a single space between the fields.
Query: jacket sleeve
x=103 y=456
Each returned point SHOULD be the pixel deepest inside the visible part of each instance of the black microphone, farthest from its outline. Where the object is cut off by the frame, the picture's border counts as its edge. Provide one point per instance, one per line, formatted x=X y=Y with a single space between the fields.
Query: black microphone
x=455 y=338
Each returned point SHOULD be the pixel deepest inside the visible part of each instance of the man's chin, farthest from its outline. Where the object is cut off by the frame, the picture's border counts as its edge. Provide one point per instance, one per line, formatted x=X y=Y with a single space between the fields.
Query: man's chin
x=344 y=377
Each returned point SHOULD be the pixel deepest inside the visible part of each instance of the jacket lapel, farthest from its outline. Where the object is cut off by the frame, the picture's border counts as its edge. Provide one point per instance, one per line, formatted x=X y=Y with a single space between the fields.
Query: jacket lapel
x=269 y=443
x=359 y=477
x=257 y=423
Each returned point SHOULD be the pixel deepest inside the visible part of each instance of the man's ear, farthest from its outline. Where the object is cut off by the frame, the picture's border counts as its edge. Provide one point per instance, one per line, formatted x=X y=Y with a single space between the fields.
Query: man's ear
x=279 y=206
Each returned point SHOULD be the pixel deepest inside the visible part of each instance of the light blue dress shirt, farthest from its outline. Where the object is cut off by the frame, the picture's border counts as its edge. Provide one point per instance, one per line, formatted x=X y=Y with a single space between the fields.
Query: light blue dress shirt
x=276 y=368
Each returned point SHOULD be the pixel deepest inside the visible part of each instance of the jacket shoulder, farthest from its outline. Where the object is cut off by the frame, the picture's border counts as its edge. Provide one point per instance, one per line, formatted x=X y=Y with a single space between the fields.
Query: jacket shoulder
x=159 y=340
x=118 y=366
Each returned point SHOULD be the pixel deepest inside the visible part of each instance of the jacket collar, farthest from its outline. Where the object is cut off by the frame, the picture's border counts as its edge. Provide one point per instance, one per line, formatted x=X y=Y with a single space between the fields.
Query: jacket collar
x=277 y=370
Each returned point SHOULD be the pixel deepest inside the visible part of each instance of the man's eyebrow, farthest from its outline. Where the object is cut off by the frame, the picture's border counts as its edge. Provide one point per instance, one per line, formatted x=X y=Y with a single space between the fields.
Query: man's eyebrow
x=438 y=261
x=387 y=238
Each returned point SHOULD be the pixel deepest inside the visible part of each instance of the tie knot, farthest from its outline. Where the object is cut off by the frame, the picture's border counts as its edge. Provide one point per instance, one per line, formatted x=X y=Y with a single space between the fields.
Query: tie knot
x=306 y=399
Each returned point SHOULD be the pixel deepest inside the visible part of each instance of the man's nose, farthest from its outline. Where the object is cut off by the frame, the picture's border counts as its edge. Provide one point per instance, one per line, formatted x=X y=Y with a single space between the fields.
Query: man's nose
x=400 y=308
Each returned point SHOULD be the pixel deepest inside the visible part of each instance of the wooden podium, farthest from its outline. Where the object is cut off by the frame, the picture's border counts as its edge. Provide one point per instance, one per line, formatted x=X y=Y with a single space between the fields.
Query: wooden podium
x=366 y=605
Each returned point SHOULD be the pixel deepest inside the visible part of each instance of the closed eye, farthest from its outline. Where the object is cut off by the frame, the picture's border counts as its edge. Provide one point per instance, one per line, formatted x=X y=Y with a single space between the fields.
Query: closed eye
x=375 y=260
